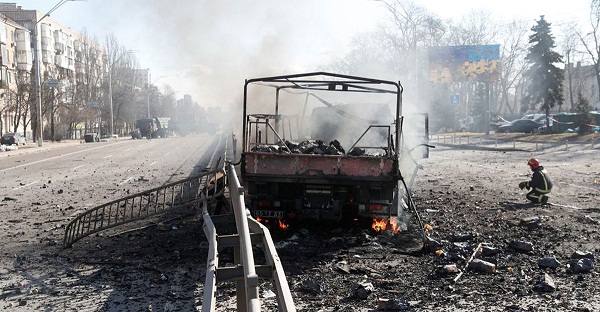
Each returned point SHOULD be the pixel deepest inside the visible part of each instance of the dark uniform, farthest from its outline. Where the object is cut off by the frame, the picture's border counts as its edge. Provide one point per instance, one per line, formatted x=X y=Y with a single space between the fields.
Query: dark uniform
x=540 y=185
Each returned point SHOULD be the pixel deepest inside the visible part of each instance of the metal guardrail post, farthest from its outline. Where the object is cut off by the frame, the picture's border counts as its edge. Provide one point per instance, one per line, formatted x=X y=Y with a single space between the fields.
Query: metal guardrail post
x=244 y=272
x=210 y=282
x=247 y=256
x=285 y=303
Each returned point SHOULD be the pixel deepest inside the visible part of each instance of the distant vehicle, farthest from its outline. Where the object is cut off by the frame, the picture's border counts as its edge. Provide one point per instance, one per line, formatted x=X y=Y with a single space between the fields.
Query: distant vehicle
x=136 y=134
x=155 y=127
x=520 y=125
x=535 y=117
x=496 y=122
x=466 y=124
x=91 y=137
x=110 y=136
x=12 y=138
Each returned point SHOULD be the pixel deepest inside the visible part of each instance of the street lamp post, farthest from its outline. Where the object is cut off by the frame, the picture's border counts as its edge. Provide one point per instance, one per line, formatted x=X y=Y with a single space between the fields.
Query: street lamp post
x=151 y=83
x=110 y=95
x=36 y=61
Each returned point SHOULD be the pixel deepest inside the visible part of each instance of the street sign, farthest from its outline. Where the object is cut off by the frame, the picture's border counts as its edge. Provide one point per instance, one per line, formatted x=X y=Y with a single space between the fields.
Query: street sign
x=455 y=99
x=52 y=83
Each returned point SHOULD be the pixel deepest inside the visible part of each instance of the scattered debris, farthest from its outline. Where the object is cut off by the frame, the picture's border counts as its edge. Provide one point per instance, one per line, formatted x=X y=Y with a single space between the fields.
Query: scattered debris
x=521 y=246
x=477 y=250
x=392 y=304
x=584 y=265
x=362 y=290
x=591 y=220
x=343 y=266
x=531 y=222
x=488 y=251
x=482 y=266
x=313 y=286
x=450 y=269
x=549 y=262
x=578 y=254
x=545 y=284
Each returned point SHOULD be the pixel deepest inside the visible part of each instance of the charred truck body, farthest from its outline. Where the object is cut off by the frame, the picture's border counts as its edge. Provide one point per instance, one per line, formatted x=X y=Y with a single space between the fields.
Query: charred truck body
x=294 y=164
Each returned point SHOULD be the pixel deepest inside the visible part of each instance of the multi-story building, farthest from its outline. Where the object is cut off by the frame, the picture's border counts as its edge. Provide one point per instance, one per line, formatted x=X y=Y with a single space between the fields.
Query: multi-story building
x=67 y=60
x=15 y=58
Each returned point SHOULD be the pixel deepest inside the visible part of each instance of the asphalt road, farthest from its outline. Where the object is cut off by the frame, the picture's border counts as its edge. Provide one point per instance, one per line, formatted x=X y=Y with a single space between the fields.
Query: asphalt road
x=86 y=175
x=41 y=189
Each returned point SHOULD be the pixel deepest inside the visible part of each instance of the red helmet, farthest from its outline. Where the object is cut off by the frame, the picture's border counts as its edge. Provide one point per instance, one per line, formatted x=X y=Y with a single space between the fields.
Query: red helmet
x=533 y=163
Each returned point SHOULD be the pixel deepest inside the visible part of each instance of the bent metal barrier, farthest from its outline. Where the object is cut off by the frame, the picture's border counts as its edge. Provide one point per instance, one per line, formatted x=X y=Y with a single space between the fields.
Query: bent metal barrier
x=244 y=272
x=185 y=193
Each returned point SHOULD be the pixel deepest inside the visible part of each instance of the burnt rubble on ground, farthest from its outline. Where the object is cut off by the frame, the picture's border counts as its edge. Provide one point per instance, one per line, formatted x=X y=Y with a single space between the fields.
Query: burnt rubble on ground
x=311 y=147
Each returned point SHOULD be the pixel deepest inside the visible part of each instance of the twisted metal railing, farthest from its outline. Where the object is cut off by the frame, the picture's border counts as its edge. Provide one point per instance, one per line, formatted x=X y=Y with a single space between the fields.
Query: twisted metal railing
x=245 y=272
x=184 y=193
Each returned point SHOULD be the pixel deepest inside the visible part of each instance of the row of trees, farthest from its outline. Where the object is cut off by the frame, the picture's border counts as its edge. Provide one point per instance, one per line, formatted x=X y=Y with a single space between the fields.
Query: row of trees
x=533 y=75
x=80 y=102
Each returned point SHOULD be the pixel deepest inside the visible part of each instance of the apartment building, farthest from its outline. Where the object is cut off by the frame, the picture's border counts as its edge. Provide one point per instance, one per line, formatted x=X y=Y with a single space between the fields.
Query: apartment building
x=15 y=58
x=67 y=61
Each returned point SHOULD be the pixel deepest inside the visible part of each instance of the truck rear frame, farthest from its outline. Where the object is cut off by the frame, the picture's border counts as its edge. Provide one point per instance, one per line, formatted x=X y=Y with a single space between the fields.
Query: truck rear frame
x=283 y=183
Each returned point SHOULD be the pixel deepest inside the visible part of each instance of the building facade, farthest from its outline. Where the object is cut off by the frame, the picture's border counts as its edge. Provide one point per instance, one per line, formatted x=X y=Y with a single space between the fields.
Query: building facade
x=71 y=72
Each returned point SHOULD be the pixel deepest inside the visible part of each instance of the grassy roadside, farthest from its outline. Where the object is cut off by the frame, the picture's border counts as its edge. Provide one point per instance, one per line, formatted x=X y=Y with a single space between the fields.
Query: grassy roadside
x=554 y=137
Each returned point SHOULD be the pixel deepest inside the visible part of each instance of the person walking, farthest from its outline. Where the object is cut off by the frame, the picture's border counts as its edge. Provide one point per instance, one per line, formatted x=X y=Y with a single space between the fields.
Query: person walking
x=540 y=183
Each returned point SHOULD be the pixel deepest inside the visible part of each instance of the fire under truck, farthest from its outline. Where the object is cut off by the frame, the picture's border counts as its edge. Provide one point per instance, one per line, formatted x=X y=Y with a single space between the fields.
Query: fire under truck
x=324 y=146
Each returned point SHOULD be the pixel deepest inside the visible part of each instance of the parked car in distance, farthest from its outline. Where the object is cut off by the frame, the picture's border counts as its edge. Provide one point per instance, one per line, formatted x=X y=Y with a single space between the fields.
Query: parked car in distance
x=91 y=137
x=520 y=125
x=136 y=134
x=12 y=139
x=496 y=122
x=535 y=117
x=110 y=136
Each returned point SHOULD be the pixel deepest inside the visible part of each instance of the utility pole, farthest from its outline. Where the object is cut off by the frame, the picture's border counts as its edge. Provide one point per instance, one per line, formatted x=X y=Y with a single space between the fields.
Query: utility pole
x=36 y=62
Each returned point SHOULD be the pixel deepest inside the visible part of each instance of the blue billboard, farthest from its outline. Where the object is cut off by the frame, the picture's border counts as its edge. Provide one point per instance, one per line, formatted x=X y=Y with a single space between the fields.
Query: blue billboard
x=458 y=63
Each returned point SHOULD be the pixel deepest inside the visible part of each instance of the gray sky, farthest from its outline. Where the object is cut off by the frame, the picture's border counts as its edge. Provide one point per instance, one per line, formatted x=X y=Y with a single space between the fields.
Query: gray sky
x=207 y=48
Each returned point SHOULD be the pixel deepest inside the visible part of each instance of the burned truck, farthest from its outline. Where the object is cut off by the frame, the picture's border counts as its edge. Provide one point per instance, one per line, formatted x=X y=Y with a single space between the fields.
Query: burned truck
x=324 y=146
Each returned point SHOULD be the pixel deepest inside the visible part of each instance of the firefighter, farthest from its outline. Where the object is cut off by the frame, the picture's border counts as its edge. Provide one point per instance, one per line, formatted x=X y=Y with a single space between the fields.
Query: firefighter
x=540 y=183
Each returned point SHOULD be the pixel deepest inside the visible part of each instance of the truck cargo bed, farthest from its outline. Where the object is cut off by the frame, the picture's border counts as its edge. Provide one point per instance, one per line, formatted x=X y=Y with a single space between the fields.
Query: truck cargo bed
x=318 y=166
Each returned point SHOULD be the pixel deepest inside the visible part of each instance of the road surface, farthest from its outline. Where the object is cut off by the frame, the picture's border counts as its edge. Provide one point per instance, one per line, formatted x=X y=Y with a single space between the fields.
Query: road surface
x=42 y=189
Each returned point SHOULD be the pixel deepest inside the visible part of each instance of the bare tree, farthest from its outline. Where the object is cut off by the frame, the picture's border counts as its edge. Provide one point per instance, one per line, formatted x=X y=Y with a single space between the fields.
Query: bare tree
x=513 y=45
x=591 y=41
x=367 y=55
x=20 y=101
x=168 y=102
x=574 y=78
x=82 y=98
x=476 y=28
x=126 y=83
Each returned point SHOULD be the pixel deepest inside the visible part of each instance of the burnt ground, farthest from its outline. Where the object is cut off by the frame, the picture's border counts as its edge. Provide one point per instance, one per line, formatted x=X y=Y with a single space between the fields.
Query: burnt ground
x=469 y=196
x=466 y=195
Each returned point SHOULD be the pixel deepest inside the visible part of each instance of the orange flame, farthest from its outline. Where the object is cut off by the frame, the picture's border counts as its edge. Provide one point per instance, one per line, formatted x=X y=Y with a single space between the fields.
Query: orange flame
x=282 y=225
x=383 y=224
x=395 y=225
x=379 y=224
